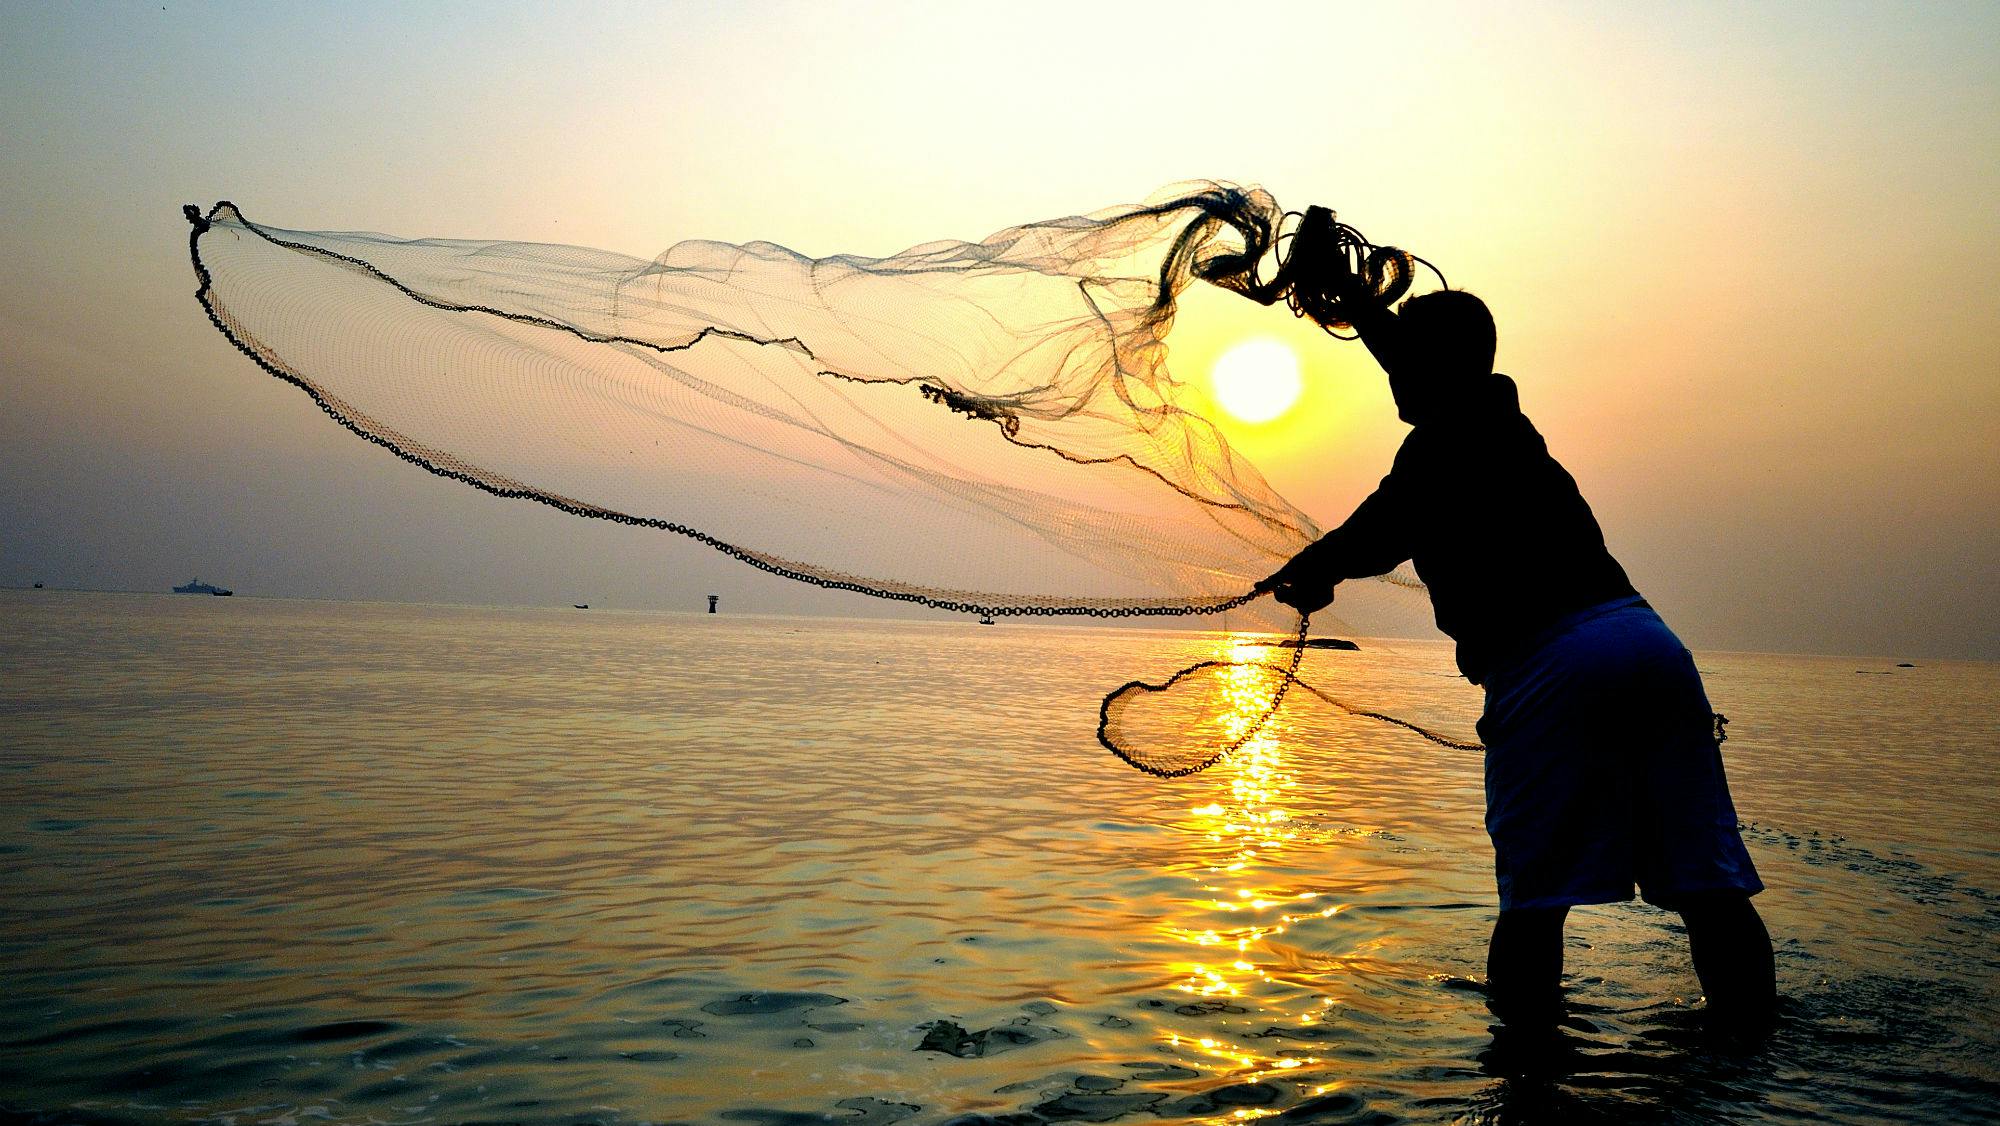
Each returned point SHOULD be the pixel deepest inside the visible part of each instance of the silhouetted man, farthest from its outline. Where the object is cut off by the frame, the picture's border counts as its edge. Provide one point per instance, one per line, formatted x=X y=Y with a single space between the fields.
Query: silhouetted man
x=1602 y=764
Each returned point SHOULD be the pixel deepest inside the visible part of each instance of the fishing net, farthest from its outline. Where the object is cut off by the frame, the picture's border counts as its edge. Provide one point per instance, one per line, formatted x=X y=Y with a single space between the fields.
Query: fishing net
x=984 y=427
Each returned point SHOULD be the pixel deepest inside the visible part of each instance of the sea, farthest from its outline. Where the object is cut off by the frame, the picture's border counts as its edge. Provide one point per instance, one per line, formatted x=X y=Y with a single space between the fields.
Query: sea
x=285 y=862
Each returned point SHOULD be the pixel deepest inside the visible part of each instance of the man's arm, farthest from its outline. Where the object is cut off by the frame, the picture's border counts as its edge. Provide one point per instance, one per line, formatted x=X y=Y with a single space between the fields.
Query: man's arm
x=1327 y=286
x=1376 y=538
x=1373 y=540
x=1378 y=329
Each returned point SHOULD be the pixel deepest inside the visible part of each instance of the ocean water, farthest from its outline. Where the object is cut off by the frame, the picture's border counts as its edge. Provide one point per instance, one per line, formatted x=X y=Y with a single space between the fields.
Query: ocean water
x=292 y=862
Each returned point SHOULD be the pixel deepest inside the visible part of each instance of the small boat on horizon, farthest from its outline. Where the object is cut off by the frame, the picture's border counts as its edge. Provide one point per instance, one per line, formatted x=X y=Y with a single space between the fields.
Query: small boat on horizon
x=986 y=620
x=196 y=586
x=1316 y=643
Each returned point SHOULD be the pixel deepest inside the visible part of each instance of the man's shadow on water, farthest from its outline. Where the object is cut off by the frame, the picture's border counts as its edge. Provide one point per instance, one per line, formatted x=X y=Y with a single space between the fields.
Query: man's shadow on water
x=1671 y=1065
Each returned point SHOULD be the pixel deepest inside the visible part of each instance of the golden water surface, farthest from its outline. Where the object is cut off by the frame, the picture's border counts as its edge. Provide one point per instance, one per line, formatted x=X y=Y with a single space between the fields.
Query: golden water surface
x=282 y=862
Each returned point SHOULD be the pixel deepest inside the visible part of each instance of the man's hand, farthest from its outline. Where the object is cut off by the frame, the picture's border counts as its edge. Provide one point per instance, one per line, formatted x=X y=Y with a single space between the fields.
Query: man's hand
x=1344 y=285
x=1299 y=585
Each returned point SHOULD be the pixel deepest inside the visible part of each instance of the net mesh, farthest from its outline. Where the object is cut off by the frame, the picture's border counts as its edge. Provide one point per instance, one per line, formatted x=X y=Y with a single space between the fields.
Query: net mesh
x=986 y=427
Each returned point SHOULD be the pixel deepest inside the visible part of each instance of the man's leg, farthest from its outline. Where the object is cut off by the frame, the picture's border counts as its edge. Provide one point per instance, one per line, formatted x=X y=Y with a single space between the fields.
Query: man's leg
x=1524 y=965
x=1732 y=955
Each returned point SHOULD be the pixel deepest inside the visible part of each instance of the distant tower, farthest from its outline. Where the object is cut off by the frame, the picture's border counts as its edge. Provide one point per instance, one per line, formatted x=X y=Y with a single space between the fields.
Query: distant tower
x=712 y=600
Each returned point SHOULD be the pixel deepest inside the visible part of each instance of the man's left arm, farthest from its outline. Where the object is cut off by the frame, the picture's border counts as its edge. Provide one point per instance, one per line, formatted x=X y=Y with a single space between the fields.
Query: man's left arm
x=1373 y=540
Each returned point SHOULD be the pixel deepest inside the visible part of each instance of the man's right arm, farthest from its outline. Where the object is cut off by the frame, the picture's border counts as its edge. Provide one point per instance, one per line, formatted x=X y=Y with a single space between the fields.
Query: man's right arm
x=1378 y=329
x=1357 y=304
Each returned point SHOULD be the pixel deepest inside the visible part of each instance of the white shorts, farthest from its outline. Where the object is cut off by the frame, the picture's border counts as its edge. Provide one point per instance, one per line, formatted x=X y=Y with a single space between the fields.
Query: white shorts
x=1602 y=769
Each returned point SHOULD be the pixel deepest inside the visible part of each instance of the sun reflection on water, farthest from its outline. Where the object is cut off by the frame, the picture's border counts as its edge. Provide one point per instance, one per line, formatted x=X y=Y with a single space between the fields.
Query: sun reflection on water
x=1239 y=910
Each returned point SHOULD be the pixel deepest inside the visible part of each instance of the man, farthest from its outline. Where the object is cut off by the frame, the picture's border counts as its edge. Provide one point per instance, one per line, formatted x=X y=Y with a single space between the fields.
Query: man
x=1602 y=766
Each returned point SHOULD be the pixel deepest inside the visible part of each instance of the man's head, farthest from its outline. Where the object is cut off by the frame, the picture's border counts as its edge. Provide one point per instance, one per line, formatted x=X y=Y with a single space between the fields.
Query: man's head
x=1443 y=340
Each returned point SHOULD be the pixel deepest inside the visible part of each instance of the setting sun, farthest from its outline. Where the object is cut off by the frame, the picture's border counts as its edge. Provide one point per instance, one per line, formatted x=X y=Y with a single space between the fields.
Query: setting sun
x=1257 y=380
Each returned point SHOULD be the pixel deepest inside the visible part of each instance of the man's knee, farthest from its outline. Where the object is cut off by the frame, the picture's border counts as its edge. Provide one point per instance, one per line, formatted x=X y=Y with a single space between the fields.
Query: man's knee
x=1528 y=920
x=1527 y=943
x=1722 y=906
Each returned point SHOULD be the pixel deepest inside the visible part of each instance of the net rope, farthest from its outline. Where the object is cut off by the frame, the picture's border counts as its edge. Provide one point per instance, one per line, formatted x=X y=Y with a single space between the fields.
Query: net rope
x=978 y=427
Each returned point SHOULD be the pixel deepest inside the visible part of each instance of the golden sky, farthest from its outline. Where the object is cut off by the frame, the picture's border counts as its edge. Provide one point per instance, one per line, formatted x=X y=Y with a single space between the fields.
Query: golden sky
x=1740 y=255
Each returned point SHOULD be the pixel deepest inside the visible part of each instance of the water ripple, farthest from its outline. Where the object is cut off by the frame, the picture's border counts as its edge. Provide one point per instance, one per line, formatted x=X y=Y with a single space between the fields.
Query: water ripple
x=290 y=863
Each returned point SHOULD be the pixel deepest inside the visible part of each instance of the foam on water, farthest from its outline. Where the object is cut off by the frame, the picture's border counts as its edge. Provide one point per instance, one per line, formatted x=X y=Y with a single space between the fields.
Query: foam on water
x=294 y=862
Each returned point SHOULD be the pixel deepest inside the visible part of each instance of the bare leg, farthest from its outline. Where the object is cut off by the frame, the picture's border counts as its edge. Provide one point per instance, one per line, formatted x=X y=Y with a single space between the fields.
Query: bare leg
x=1732 y=956
x=1524 y=966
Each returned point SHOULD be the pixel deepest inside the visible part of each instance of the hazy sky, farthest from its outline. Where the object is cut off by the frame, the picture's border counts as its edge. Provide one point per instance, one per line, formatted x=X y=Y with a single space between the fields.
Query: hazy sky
x=1742 y=257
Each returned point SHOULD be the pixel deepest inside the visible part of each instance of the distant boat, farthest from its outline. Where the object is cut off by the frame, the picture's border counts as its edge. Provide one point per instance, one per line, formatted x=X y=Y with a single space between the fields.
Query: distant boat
x=1316 y=643
x=986 y=619
x=196 y=586
x=581 y=605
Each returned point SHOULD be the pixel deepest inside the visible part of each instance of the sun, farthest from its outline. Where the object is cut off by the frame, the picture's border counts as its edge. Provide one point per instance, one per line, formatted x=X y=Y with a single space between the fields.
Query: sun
x=1257 y=380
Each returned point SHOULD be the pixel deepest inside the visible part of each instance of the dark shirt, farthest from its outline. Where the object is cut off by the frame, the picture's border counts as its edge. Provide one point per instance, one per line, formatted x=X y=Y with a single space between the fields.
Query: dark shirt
x=1496 y=528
